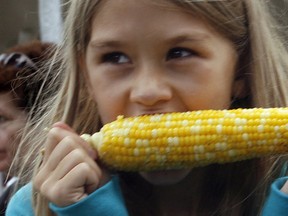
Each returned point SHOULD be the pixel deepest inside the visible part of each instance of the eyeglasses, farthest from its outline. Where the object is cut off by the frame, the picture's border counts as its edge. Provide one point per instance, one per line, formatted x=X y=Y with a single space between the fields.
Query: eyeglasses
x=18 y=60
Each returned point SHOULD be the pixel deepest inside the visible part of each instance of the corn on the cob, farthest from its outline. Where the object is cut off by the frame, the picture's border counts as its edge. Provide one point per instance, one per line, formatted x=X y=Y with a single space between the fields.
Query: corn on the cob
x=190 y=139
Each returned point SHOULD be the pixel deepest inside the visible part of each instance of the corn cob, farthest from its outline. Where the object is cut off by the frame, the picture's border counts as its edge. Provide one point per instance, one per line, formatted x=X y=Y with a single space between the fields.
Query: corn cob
x=191 y=139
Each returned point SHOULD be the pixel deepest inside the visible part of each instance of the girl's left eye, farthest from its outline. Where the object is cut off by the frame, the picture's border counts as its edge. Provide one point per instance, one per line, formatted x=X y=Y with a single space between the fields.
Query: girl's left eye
x=3 y=119
x=115 y=58
x=179 y=53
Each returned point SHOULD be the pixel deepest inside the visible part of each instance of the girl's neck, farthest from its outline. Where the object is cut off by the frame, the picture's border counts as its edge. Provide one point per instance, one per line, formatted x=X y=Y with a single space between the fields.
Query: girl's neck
x=180 y=199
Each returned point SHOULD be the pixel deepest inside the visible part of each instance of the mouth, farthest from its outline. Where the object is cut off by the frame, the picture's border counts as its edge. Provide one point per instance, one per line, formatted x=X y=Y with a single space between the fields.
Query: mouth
x=154 y=112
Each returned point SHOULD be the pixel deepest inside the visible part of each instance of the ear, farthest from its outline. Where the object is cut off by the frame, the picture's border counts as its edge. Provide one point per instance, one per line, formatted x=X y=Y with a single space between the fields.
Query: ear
x=83 y=69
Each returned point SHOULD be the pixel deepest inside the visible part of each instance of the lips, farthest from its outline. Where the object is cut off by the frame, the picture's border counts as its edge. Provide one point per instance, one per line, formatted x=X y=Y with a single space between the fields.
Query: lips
x=154 y=112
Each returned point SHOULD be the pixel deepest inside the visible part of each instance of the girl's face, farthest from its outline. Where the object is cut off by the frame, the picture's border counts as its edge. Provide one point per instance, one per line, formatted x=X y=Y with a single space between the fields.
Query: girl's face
x=12 y=119
x=143 y=59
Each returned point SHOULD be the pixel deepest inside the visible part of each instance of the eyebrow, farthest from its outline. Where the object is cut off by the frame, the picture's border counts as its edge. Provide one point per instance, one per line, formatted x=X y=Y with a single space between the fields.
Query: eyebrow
x=106 y=42
x=99 y=43
x=190 y=38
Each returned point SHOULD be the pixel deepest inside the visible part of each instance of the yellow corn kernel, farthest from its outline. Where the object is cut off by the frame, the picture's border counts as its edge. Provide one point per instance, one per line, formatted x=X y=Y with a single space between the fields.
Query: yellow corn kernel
x=191 y=139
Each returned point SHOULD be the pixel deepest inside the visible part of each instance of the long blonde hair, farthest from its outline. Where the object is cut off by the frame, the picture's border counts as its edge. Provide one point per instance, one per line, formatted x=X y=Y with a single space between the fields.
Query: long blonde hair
x=262 y=63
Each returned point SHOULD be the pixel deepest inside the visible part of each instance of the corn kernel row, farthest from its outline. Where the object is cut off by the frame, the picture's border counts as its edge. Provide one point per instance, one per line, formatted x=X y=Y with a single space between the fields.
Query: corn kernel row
x=191 y=139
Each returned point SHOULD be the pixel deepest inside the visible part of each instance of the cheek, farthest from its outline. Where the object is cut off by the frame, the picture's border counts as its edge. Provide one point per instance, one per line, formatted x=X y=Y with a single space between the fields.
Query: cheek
x=9 y=133
x=9 y=137
x=5 y=139
x=110 y=101
x=206 y=92
x=6 y=148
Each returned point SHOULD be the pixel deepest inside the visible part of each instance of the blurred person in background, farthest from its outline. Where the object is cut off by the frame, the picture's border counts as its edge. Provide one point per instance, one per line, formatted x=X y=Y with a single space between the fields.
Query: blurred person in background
x=19 y=87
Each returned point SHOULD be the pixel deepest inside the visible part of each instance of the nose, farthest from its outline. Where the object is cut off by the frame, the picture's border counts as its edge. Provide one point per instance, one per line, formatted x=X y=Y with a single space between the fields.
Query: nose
x=150 y=87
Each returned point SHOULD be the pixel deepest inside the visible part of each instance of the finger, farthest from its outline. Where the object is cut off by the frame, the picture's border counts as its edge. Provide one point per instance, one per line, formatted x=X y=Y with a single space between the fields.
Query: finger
x=70 y=189
x=52 y=158
x=82 y=173
x=63 y=150
x=71 y=160
x=64 y=166
x=63 y=126
x=92 y=179
x=84 y=144
x=56 y=134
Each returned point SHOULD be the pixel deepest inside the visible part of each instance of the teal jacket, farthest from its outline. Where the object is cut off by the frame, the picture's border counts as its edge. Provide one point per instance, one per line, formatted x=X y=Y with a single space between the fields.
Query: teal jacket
x=277 y=201
x=108 y=201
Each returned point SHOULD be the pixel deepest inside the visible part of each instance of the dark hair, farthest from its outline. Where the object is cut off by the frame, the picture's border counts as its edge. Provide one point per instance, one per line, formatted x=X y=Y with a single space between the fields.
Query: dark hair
x=19 y=66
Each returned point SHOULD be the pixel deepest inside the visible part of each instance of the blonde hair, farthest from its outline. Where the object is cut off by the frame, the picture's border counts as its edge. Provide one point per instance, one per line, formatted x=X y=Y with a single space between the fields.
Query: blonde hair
x=262 y=63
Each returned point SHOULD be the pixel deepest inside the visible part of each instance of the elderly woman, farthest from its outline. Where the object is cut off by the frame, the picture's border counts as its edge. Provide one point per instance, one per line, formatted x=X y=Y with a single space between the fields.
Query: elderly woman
x=18 y=92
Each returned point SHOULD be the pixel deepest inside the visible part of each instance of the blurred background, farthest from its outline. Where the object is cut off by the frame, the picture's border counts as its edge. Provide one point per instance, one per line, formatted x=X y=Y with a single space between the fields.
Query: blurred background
x=23 y=20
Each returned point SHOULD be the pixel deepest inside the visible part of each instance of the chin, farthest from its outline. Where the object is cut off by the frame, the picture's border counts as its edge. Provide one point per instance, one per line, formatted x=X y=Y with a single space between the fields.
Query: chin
x=167 y=177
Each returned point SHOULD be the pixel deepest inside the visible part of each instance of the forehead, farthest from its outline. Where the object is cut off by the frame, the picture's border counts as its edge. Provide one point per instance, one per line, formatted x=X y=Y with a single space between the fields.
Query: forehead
x=119 y=16
x=122 y=8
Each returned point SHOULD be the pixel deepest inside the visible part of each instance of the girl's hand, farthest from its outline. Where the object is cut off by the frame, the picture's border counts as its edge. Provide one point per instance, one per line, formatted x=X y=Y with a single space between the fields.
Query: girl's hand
x=68 y=172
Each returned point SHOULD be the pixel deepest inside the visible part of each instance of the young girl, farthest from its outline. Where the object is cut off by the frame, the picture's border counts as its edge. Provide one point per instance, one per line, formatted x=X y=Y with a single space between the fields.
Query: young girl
x=127 y=57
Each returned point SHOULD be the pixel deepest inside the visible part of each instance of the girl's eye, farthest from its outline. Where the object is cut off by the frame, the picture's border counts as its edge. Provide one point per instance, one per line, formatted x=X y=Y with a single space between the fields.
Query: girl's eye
x=115 y=58
x=179 y=53
x=3 y=119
